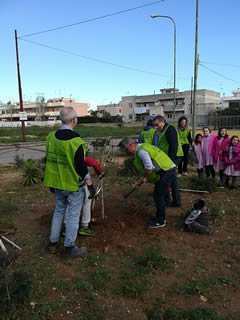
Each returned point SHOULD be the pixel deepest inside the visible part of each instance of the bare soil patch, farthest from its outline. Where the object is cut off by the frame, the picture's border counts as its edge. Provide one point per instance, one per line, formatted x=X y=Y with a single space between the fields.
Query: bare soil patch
x=120 y=238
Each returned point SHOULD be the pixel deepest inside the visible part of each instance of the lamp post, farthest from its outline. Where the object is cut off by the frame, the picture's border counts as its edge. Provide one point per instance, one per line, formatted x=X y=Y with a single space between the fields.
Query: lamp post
x=174 y=58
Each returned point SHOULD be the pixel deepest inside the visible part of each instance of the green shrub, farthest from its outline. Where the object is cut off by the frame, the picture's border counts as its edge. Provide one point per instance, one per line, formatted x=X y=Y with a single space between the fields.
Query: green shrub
x=215 y=211
x=101 y=278
x=152 y=258
x=32 y=173
x=136 y=288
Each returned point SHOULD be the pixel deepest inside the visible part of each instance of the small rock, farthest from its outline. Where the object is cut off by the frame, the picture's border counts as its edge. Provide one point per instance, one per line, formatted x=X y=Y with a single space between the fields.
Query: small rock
x=204 y=299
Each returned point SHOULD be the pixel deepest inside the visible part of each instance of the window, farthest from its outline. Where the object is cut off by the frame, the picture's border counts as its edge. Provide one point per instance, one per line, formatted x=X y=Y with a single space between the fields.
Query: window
x=130 y=105
x=169 y=115
x=130 y=116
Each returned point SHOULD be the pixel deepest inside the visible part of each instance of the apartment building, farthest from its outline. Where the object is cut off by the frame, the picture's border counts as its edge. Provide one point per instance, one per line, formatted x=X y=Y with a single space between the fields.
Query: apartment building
x=41 y=110
x=137 y=108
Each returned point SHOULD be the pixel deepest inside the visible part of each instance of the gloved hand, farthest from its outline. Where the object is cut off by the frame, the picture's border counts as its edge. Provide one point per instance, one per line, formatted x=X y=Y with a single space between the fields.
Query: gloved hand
x=101 y=175
x=92 y=191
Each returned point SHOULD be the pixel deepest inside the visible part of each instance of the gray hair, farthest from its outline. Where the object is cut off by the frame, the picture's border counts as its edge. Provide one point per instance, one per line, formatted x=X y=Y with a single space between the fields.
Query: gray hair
x=159 y=118
x=67 y=114
x=129 y=140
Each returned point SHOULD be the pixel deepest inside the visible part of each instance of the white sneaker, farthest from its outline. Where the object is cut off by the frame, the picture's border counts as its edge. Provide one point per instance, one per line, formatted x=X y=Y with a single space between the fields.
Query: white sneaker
x=179 y=175
x=185 y=174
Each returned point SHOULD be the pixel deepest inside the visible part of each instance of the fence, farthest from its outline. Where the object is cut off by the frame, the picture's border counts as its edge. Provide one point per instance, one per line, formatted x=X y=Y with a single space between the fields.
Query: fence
x=230 y=122
x=215 y=122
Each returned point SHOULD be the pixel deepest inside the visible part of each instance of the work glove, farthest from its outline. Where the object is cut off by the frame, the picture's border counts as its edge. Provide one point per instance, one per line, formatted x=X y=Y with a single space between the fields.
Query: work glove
x=92 y=191
x=100 y=176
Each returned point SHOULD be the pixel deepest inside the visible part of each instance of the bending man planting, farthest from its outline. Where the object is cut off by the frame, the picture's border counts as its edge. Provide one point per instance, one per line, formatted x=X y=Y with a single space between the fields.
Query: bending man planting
x=156 y=167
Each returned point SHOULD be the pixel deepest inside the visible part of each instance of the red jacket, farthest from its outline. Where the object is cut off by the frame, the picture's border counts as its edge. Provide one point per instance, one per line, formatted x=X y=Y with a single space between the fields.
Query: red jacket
x=91 y=162
x=236 y=156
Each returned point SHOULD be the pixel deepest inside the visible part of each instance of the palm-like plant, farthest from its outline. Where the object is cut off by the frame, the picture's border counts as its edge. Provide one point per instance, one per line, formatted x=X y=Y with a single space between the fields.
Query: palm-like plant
x=32 y=174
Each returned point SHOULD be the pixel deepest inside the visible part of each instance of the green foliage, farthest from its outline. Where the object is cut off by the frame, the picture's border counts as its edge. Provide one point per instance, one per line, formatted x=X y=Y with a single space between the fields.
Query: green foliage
x=32 y=174
x=196 y=183
x=101 y=278
x=200 y=286
x=92 y=311
x=40 y=133
x=61 y=284
x=8 y=206
x=200 y=313
x=136 y=288
x=15 y=285
x=128 y=168
x=216 y=211
x=92 y=260
x=106 y=118
x=152 y=258
x=81 y=285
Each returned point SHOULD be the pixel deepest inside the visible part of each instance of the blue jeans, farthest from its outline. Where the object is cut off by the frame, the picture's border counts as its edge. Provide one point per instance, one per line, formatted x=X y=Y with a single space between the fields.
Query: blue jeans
x=73 y=200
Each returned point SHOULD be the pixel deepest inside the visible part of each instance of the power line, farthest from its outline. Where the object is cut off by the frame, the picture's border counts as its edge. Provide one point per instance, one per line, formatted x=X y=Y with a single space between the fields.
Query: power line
x=219 y=74
x=93 y=19
x=223 y=64
x=95 y=59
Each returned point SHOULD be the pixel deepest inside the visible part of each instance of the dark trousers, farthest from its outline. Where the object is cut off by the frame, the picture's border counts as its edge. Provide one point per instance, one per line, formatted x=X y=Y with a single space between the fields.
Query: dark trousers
x=200 y=172
x=182 y=167
x=160 y=192
x=176 y=198
x=225 y=179
x=221 y=175
x=210 y=169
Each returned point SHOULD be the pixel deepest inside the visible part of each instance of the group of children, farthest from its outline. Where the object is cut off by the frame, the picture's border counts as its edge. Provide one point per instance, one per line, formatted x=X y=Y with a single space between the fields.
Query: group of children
x=218 y=152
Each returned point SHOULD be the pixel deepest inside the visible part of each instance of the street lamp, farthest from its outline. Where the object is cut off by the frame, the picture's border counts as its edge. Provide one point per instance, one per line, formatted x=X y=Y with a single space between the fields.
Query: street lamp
x=174 y=57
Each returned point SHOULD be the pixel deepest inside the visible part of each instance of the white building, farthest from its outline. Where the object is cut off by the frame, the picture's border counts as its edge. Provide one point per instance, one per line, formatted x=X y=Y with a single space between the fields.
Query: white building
x=234 y=100
x=134 y=108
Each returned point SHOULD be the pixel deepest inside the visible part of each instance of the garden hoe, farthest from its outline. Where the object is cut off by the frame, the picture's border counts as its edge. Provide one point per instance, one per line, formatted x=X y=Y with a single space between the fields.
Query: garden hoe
x=129 y=193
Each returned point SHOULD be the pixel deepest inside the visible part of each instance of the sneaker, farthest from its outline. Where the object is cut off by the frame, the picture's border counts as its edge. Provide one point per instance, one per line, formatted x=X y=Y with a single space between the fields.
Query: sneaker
x=179 y=175
x=73 y=252
x=185 y=173
x=52 y=247
x=220 y=186
x=156 y=224
x=85 y=231
x=232 y=187
x=155 y=219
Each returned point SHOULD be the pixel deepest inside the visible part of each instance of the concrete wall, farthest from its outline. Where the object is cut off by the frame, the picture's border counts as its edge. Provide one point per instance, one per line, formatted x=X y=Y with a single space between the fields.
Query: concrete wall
x=18 y=124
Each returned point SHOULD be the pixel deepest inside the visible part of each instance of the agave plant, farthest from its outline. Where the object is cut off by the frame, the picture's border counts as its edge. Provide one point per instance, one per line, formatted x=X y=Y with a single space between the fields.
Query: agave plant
x=32 y=174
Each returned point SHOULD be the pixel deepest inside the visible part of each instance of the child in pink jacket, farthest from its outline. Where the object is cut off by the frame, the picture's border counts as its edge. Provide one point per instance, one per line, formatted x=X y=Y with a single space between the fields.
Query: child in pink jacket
x=207 y=152
x=219 y=143
x=231 y=155
x=197 y=148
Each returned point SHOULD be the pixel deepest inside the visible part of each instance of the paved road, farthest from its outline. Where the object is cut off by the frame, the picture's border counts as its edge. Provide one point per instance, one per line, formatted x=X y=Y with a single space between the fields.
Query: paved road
x=35 y=150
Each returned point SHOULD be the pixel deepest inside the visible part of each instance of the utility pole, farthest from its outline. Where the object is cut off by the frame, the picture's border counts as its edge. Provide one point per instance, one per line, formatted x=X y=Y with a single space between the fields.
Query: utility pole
x=196 y=60
x=20 y=88
x=191 y=109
